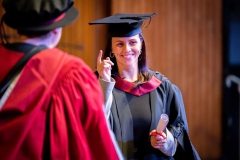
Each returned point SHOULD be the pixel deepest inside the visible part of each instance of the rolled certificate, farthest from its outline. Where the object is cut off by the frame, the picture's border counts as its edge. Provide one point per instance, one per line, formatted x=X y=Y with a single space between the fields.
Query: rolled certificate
x=163 y=121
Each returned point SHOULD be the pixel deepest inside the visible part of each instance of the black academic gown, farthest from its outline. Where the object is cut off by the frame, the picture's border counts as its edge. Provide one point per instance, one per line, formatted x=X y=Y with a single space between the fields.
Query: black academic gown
x=166 y=98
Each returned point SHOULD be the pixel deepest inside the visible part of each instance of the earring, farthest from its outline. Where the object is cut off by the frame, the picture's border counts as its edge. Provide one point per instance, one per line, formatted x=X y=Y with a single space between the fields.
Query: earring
x=55 y=31
x=111 y=55
x=140 y=56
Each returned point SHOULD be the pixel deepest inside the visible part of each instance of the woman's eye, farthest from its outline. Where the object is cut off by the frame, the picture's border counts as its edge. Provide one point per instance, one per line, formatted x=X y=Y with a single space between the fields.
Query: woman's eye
x=119 y=44
x=133 y=43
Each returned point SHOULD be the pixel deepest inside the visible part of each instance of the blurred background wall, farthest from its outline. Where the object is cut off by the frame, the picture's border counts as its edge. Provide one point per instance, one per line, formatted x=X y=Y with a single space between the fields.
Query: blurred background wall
x=185 y=43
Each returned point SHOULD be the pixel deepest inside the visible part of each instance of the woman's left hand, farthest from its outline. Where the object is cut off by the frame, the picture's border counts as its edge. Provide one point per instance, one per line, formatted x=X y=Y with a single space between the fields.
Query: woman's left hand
x=158 y=140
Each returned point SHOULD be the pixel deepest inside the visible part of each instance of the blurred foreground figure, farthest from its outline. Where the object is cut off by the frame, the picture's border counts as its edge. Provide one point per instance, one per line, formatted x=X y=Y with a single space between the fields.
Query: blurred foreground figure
x=51 y=104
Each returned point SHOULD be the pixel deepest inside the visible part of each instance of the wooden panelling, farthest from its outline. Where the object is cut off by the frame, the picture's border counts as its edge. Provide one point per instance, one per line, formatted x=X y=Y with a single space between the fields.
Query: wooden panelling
x=184 y=43
x=80 y=38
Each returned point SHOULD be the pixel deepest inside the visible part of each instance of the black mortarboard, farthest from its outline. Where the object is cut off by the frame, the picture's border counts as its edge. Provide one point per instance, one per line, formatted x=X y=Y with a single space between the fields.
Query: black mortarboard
x=124 y=25
x=38 y=15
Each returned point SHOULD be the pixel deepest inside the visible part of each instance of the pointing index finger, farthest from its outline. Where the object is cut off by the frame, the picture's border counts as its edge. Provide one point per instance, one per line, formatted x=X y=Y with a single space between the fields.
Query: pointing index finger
x=99 y=58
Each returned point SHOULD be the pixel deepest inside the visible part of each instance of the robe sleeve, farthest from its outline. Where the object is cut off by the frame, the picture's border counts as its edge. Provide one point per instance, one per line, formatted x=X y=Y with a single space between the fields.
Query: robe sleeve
x=170 y=146
x=107 y=88
x=178 y=125
x=77 y=125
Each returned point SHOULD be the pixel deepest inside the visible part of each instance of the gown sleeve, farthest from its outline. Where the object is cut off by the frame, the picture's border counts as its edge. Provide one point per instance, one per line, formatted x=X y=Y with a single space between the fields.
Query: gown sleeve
x=170 y=146
x=107 y=88
x=178 y=125
x=77 y=125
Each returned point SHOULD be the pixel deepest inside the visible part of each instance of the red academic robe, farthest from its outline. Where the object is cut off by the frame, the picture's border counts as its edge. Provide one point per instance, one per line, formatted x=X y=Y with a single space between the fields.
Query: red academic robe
x=55 y=110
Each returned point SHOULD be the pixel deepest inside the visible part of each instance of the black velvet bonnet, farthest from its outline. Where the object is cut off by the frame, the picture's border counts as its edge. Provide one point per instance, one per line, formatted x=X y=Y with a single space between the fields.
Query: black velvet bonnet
x=38 y=15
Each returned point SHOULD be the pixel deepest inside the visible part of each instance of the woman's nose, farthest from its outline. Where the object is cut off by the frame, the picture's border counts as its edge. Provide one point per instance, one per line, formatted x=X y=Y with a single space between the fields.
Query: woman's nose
x=127 y=48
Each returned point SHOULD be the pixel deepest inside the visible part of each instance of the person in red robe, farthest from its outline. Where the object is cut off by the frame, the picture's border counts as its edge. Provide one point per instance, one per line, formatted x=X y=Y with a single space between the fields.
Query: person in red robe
x=51 y=104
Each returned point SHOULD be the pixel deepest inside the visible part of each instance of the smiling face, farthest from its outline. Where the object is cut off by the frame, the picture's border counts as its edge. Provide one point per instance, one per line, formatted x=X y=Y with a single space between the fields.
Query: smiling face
x=127 y=50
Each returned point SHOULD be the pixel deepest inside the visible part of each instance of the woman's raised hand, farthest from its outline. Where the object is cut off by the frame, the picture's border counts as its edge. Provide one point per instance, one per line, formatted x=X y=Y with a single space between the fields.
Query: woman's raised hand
x=104 y=67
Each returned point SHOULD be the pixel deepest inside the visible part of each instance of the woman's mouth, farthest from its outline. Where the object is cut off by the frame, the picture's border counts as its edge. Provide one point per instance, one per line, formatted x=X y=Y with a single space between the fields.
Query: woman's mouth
x=127 y=56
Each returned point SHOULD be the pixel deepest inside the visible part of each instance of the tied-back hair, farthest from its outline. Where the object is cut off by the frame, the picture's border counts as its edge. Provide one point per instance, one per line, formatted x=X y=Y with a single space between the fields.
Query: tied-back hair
x=143 y=74
x=3 y=35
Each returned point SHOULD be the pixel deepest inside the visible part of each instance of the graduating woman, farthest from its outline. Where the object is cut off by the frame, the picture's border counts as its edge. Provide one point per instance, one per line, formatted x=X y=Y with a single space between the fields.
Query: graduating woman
x=136 y=97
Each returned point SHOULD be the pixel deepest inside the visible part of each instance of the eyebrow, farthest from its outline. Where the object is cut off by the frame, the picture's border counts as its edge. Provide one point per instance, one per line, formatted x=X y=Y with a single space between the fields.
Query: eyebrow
x=127 y=40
